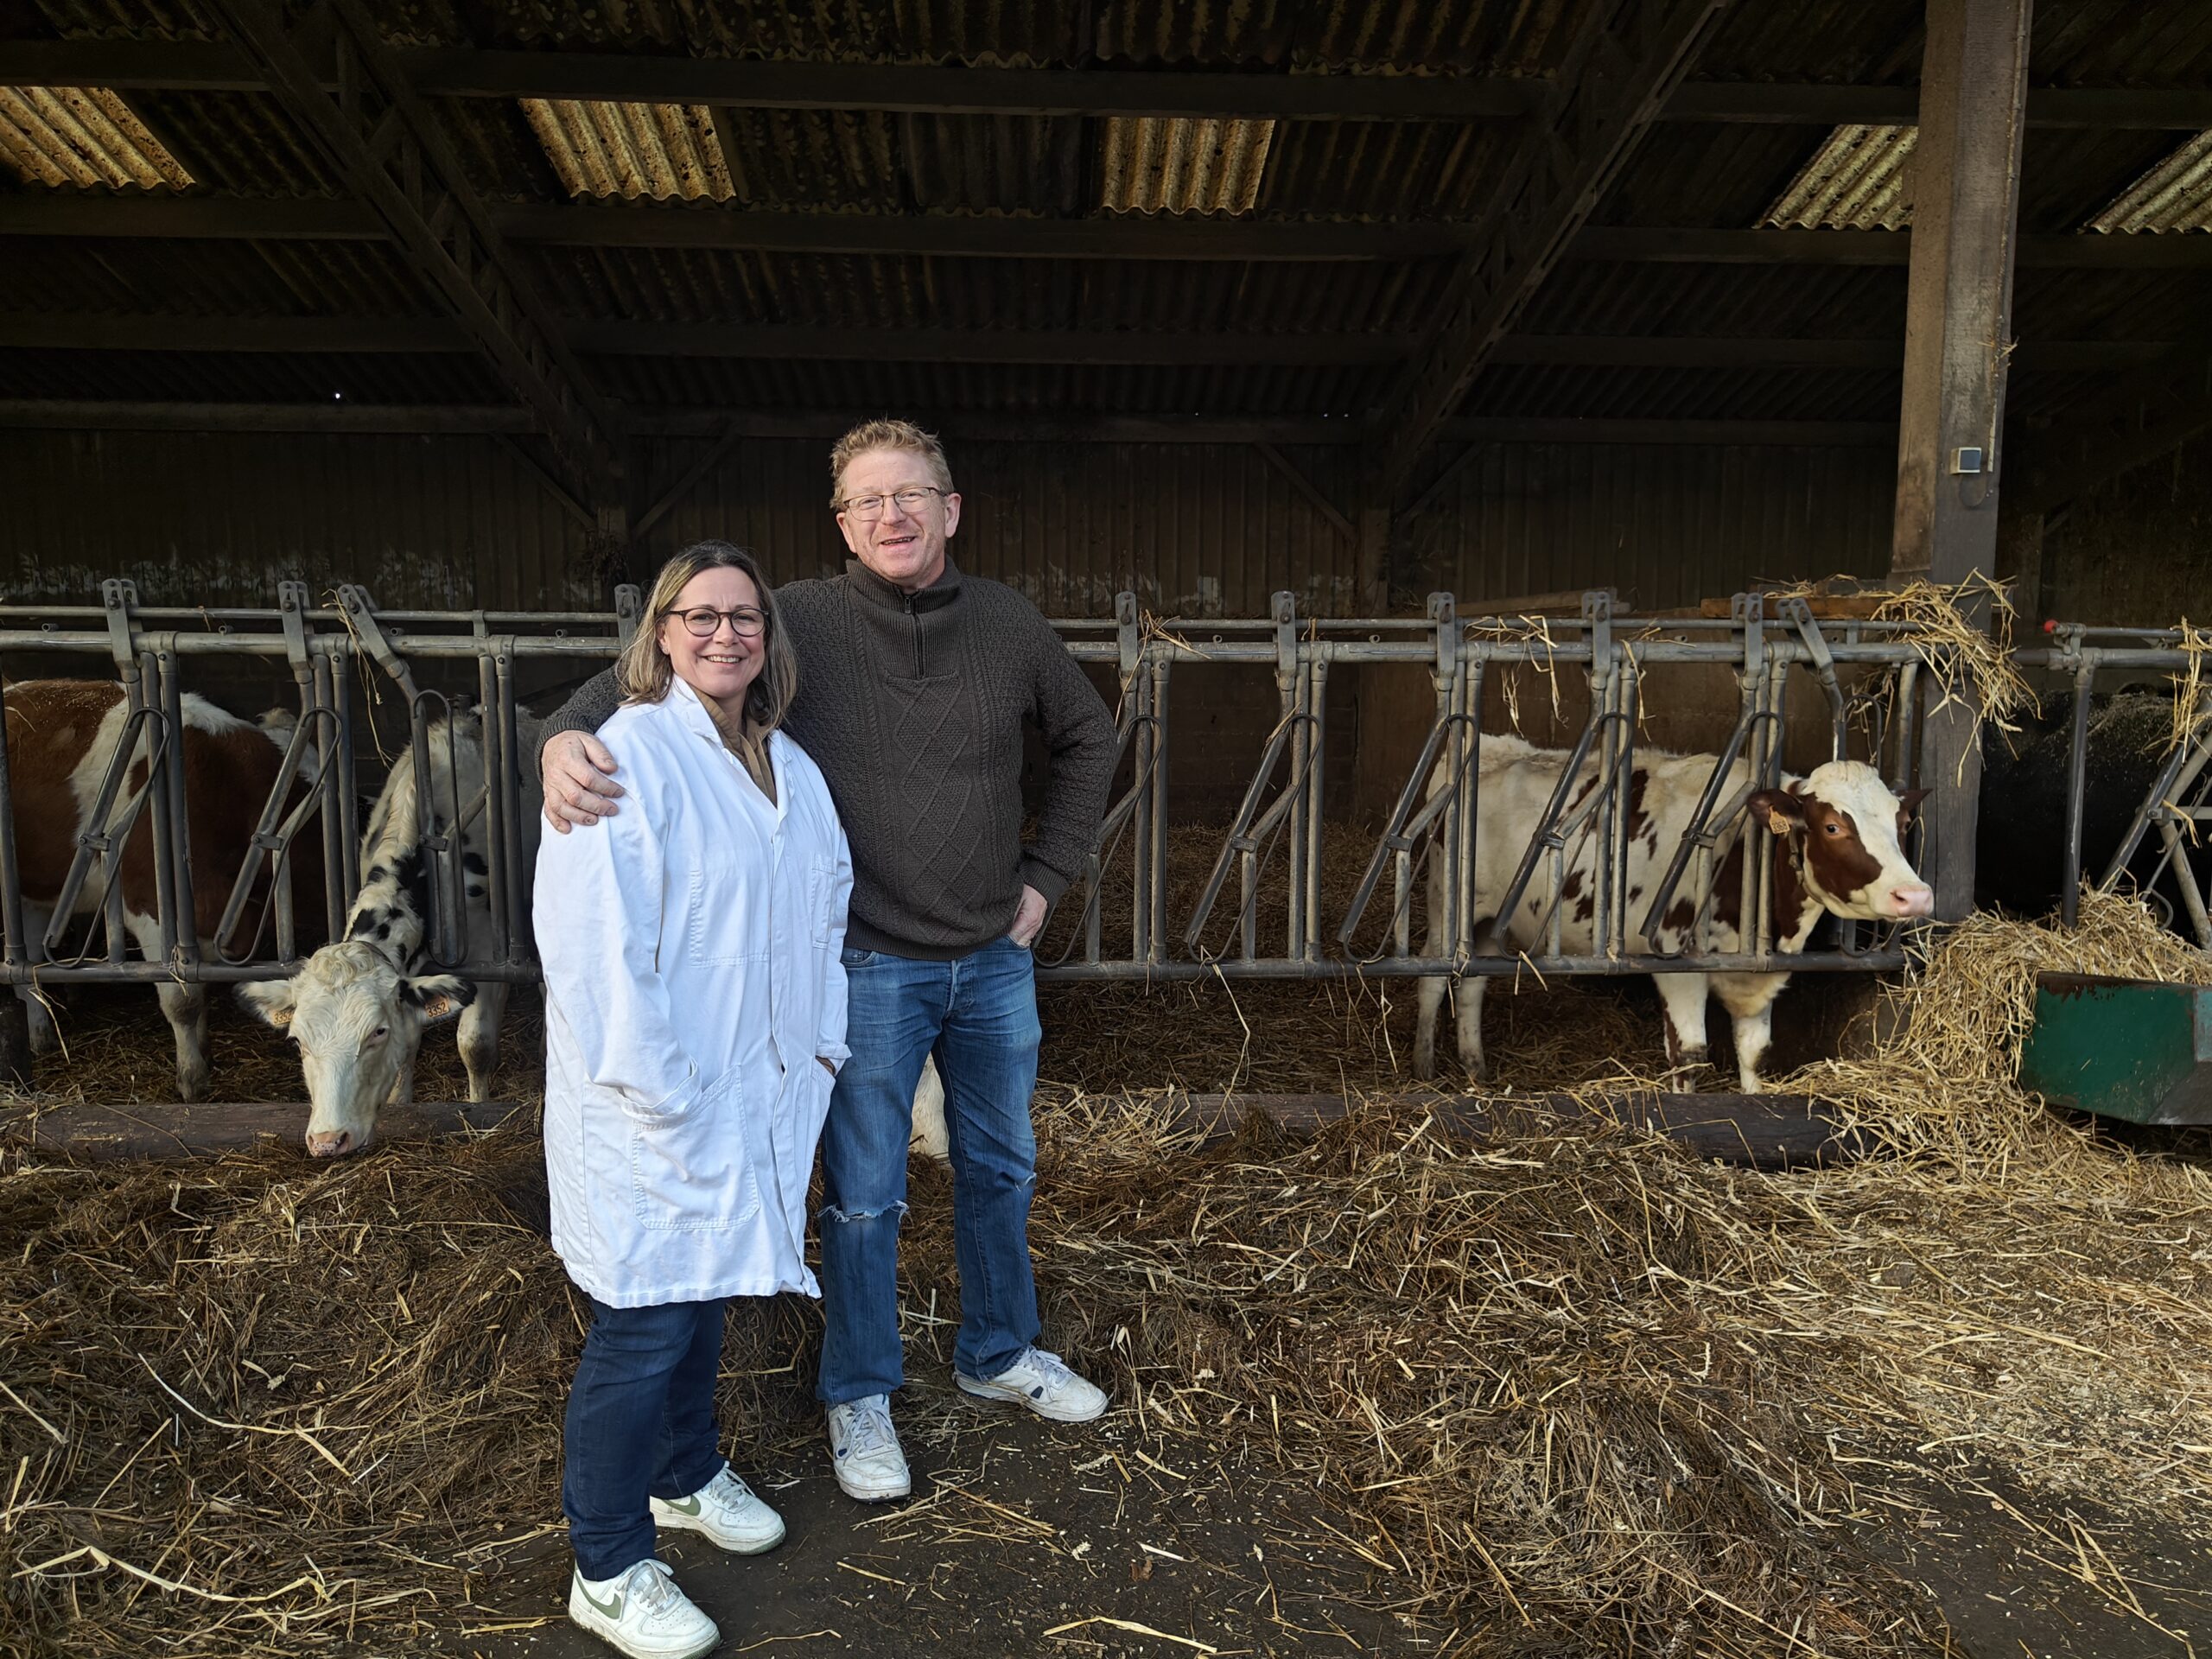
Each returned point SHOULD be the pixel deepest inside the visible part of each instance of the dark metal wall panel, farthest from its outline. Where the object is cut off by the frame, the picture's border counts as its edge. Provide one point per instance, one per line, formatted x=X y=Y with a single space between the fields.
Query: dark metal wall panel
x=218 y=519
x=1666 y=525
x=1194 y=530
x=2137 y=550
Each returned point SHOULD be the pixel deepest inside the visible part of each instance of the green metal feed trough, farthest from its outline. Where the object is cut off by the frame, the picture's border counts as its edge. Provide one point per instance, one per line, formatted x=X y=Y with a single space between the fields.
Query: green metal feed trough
x=2139 y=1049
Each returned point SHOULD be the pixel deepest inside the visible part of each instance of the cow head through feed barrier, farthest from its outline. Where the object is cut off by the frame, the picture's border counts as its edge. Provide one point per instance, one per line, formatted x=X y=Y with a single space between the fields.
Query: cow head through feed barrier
x=358 y=1020
x=1844 y=828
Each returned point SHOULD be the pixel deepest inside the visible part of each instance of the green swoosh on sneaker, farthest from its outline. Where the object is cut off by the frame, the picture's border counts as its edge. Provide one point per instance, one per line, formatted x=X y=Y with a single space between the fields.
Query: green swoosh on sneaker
x=682 y=1505
x=611 y=1608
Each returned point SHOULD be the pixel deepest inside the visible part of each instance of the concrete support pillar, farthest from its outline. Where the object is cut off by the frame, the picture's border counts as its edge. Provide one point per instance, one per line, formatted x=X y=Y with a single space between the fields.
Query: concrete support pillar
x=1958 y=326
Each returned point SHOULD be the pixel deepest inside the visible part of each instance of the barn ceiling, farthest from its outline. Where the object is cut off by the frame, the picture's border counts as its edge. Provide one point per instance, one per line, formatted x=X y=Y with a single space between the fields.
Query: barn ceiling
x=1117 y=209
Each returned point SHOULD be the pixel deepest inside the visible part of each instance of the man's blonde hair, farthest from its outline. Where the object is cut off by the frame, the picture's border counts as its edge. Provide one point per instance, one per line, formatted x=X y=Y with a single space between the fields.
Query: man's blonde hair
x=902 y=436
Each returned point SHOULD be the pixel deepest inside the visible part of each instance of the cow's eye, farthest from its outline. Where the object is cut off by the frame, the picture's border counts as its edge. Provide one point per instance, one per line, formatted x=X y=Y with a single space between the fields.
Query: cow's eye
x=1831 y=828
x=381 y=1033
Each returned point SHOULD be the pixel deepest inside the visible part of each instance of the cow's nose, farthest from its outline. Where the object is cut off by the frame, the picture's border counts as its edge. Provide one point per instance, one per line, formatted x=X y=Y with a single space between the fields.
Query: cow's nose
x=1917 y=900
x=329 y=1143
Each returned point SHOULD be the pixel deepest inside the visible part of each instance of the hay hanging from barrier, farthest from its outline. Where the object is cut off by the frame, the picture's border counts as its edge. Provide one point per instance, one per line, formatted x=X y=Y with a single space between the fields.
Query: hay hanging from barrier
x=2192 y=696
x=1956 y=652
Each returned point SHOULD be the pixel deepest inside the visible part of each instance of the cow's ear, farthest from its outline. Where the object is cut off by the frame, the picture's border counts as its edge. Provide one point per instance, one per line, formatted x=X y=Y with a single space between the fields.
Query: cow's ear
x=439 y=996
x=269 y=999
x=1779 y=810
x=1908 y=800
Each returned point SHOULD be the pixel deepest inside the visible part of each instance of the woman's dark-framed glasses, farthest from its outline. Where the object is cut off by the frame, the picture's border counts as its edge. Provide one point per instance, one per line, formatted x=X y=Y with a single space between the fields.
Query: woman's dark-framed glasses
x=703 y=621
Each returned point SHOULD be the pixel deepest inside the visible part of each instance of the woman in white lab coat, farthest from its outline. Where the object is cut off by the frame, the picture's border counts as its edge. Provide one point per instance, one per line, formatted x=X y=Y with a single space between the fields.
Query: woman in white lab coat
x=694 y=1018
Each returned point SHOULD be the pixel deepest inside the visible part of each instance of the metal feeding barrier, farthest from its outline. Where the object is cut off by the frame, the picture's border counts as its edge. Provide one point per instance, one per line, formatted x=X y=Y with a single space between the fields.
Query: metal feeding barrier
x=307 y=830
x=2176 y=808
x=1260 y=910
x=1435 y=823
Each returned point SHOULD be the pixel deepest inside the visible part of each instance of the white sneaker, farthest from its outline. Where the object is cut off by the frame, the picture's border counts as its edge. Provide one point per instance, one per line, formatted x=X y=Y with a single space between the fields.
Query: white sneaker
x=727 y=1511
x=1043 y=1382
x=864 y=1450
x=642 y=1613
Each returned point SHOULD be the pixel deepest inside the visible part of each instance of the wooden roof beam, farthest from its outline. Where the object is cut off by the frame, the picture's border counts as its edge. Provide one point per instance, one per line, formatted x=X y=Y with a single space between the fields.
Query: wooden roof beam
x=94 y=331
x=88 y=331
x=2084 y=251
x=381 y=140
x=1613 y=82
x=463 y=419
x=928 y=89
x=972 y=236
x=921 y=89
x=975 y=236
x=1784 y=103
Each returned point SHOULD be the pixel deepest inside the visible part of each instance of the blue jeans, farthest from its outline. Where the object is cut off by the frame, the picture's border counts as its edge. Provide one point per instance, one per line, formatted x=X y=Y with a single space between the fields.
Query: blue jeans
x=641 y=1424
x=978 y=1015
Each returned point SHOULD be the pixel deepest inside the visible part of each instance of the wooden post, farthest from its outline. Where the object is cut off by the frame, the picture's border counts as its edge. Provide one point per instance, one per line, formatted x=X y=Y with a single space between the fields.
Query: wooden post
x=1958 y=323
x=1375 y=559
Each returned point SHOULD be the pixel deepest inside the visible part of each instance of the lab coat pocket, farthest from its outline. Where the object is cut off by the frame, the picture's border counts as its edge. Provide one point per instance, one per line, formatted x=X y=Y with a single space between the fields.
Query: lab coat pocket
x=721 y=918
x=693 y=1175
x=821 y=887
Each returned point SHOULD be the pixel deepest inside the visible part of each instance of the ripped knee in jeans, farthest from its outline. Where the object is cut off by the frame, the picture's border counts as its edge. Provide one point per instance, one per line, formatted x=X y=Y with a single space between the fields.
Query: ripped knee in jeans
x=896 y=1213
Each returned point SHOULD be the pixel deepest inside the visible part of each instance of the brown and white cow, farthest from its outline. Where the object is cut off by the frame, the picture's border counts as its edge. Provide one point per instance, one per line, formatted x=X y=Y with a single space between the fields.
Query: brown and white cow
x=1837 y=849
x=62 y=737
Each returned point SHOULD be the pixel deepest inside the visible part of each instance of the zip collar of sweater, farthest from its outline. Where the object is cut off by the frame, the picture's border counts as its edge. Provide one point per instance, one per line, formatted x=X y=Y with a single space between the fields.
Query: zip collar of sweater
x=874 y=588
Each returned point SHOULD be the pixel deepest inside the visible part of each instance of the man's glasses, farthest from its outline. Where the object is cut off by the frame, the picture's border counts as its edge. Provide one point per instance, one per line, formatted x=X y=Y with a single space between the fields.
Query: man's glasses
x=705 y=620
x=865 y=507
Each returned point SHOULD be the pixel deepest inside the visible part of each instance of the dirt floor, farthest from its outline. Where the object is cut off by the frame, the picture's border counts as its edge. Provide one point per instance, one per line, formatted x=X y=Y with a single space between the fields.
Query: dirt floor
x=1021 y=1536
x=1197 y=1517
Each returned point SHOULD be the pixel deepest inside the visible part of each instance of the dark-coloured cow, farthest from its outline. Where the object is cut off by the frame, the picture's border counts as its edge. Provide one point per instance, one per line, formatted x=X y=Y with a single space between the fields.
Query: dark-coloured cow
x=62 y=738
x=1837 y=850
x=2022 y=834
x=358 y=1008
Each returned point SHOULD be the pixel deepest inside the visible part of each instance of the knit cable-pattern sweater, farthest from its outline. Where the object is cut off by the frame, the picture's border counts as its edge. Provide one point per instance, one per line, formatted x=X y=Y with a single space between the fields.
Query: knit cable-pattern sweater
x=912 y=705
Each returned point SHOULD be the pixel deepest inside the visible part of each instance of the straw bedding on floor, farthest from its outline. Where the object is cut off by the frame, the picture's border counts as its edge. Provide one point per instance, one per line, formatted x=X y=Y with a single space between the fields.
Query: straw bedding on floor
x=1577 y=1392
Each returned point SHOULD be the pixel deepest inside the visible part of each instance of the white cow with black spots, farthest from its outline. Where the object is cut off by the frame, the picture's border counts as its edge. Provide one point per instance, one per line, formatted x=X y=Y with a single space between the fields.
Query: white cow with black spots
x=358 y=1008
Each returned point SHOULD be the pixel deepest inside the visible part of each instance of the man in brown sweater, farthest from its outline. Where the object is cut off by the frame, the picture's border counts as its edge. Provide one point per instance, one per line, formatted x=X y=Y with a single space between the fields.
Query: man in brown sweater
x=914 y=684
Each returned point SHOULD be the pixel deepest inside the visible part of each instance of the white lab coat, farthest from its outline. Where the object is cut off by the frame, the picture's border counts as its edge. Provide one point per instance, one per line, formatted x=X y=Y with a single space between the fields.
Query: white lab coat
x=691 y=945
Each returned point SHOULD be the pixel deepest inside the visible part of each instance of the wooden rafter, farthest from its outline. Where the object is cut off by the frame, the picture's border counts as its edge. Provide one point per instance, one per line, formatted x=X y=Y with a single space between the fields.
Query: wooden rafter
x=98 y=331
x=928 y=89
x=383 y=141
x=102 y=415
x=978 y=236
x=1620 y=68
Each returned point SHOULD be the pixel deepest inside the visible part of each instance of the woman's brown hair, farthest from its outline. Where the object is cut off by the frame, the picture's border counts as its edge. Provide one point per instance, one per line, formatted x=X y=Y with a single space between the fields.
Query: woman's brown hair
x=643 y=673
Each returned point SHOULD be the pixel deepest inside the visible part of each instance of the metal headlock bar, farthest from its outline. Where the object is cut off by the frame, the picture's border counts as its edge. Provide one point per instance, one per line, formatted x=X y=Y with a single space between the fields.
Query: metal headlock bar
x=2178 y=806
x=1275 y=846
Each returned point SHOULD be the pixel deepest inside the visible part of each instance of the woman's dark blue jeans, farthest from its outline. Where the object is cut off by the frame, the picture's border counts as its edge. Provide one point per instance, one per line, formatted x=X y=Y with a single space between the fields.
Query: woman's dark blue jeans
x=641 y=1425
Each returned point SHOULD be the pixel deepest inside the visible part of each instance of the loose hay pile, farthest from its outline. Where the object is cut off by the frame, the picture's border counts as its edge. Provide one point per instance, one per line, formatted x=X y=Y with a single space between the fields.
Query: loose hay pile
x=1577 y=1393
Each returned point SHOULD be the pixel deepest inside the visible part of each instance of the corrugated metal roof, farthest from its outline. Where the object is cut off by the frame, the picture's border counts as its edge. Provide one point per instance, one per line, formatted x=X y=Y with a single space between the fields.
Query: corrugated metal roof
x=1860 y=179
x=251 y=377
x=786 y=384
x=1617 y=393
x=2175 y=195
x=885 y=291
x=211 y=279
x=1824 y=301
x=663 y=150
x=1153 y=164
x=81 y=135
